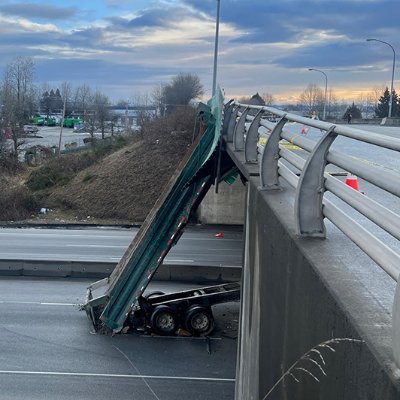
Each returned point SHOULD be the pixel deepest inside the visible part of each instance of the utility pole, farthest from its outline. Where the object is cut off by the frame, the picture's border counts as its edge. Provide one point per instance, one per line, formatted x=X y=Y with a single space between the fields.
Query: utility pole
x=214 y=86
x=61 y=128
x=326 y=89
x=391 y=84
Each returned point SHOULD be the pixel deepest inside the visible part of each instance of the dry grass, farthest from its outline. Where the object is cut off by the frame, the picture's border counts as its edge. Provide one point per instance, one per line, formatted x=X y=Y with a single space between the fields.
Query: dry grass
x=312 y=363
x=16 y=201
x=120 y=186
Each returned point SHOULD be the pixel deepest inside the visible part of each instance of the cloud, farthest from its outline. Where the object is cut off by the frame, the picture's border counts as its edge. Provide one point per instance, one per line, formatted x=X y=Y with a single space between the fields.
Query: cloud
x=40 y=10
x=285 y=20
x=329 y=55
x=264 y=46
x=116 y=80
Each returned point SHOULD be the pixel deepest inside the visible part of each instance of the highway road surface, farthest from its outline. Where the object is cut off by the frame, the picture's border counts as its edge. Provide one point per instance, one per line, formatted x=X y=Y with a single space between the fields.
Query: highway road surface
x=197 y=246
x=48 y=352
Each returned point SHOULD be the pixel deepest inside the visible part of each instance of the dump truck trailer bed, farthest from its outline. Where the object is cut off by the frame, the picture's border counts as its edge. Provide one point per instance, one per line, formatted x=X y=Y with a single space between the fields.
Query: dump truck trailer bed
x=116 y=301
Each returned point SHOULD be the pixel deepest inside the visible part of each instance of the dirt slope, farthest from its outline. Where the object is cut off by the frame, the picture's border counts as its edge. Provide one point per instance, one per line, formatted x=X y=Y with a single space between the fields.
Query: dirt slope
x=125 y=185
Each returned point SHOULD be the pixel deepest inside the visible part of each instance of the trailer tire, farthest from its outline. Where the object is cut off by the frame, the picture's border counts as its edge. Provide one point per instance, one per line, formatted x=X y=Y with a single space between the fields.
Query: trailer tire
x=164 y=320
x=152 y=294
x=199 y=320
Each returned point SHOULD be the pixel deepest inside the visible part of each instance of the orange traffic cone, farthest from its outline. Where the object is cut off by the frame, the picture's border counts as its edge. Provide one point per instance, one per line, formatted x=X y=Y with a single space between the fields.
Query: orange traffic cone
x=352 y=181
x=219 y=234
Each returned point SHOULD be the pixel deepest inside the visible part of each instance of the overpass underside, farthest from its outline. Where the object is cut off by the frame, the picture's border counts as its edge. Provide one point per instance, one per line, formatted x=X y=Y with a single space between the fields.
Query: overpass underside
x=315 y=316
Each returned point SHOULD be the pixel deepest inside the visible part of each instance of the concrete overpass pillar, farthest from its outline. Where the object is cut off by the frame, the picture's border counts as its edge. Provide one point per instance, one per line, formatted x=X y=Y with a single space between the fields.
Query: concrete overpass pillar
x=226 y=207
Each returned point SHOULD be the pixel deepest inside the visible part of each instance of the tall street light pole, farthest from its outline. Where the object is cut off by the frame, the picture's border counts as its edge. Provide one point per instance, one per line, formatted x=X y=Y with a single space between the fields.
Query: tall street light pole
x=326 y=89
x=214 y=86
x=391 y=84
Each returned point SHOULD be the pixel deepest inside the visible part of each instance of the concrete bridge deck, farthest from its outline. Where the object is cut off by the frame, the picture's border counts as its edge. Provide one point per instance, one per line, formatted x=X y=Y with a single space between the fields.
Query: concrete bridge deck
x=316 y=317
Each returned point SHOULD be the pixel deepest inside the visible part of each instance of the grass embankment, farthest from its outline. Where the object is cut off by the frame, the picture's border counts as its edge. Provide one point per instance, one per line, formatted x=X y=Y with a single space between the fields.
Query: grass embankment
x=116 y=182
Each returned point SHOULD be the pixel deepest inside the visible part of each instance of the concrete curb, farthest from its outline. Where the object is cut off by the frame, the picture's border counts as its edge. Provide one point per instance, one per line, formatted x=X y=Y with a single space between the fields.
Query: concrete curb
x=98 y=270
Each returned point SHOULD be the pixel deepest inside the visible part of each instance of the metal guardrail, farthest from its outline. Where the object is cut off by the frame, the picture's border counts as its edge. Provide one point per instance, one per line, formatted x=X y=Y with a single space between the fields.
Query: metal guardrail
x=241 y=126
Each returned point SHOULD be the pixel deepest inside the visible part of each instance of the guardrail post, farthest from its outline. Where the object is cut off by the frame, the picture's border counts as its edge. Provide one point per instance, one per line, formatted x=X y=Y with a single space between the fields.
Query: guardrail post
x=240 y=128
x=396 y=326
x=227 y=115
x=232 y=124
x=311 y=187
x=250 y=146
x=269 y=161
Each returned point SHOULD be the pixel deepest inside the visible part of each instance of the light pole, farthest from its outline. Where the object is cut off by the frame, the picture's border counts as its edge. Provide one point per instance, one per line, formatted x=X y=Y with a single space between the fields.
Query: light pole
x=214 y=87
x=326 y=89
x=391 y=84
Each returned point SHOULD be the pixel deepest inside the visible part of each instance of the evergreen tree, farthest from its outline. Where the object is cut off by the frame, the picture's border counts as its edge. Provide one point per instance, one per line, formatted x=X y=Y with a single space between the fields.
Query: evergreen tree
x=382 y=110
x=51 y=102
x=354 y=111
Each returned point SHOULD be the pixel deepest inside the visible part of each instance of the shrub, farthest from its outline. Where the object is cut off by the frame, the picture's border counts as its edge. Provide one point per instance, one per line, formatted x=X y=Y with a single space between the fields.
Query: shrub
x=181 y=120
x=46 y=177
x=60 y=170
x=88 y=177
x=9 y=163
x=16 y=202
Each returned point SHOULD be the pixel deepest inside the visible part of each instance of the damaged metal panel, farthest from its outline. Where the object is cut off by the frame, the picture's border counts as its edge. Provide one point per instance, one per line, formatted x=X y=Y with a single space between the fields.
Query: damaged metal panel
x=160 y=231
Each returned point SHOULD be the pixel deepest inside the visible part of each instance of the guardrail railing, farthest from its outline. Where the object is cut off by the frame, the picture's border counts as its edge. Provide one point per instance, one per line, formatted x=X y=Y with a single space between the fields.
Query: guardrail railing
x=244 y=125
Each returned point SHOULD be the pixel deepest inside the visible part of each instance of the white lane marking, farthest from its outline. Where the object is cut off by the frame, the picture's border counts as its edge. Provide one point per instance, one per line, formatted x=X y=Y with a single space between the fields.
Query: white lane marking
x=174 y=260
x=51 y=257
x=38 y=303
x=203 y=338
x=213 y=239
x=102 y=246
x=86 y=374
x=54 y=234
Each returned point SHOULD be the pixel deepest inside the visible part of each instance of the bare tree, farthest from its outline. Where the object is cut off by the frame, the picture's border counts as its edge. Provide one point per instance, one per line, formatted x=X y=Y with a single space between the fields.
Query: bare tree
x=333 y=104
x=18 y=97
x=66 y=89
x=365 y=103
x=181 y=90
x=376 y=94
x=268 y=99
x=101 y=106
x=143 y=104
x=311 y=99
x=157 y=96
x=82 y=99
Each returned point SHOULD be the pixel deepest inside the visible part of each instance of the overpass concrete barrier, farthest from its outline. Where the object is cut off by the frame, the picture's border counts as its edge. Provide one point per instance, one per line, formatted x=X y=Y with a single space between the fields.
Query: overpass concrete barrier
x=299 y=295
x=167 y=272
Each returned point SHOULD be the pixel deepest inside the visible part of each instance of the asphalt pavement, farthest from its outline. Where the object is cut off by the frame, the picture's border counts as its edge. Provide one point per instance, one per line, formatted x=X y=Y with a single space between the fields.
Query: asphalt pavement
x=198 y=245
x=49 y=136
x=199 y=256
x=48 y=350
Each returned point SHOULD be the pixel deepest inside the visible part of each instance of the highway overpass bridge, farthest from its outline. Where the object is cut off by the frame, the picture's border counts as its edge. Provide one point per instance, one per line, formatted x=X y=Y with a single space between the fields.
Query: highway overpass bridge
x=319 y=312
x=321 y=258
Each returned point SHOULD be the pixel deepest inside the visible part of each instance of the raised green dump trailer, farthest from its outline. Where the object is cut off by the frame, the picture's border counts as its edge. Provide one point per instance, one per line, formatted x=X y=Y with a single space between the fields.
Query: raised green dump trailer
x=71 y=122
x=37 y=120
x=118 y=301
x=50 y=121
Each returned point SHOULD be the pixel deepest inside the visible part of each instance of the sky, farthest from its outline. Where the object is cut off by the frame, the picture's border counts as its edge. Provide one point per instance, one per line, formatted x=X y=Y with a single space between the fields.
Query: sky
x=126 y=48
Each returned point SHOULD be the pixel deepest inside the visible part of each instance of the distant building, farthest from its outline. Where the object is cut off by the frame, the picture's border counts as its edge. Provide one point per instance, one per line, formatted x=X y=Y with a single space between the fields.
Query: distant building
x=256 y=100
x=132 y=115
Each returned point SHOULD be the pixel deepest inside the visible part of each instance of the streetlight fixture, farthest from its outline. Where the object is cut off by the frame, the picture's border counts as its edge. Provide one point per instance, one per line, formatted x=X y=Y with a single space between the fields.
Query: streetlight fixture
x=326 y=89
x=391 y=84
x=214 y=87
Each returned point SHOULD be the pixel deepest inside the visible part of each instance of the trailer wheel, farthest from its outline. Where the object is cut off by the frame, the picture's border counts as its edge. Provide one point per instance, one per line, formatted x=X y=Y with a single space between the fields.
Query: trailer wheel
x=199 y=320
x=163 y=320
x=152 y=294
